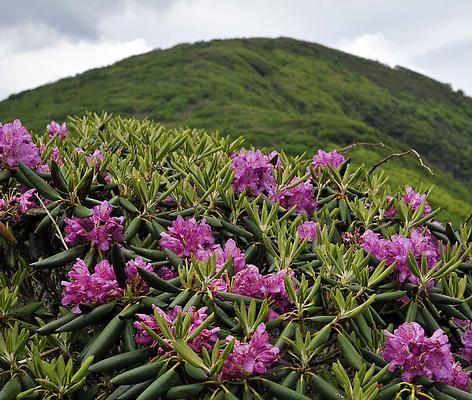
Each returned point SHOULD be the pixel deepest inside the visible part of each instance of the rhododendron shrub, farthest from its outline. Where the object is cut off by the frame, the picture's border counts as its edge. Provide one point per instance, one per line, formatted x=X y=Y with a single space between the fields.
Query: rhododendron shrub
x=140 y=262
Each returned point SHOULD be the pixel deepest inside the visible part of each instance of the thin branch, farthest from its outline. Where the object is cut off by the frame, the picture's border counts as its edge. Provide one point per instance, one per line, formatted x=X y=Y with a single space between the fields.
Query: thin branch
x=363 y=144
x=59 y=233
x=411 y=151
x=43 y=354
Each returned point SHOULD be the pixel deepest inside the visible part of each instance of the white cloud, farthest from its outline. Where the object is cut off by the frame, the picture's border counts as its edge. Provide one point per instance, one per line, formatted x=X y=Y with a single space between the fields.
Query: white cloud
x=374 y=46
x=54 y=58
x=38 y=46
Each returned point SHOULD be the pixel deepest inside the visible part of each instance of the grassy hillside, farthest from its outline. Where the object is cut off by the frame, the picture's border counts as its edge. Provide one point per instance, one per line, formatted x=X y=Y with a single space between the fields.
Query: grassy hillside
x=282 y=93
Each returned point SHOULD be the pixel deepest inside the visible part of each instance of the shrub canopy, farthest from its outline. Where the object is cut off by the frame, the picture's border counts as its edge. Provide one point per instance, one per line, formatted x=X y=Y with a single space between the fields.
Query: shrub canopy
x=140 y=262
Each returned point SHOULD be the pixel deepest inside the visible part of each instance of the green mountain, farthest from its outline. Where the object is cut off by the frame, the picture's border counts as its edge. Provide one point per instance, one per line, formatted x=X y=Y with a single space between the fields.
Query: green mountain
x=283 y=94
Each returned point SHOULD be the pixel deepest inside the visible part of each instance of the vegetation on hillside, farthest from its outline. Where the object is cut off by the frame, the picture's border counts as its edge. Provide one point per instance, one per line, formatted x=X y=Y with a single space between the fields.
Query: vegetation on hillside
x=282 y=93
x=142 y=262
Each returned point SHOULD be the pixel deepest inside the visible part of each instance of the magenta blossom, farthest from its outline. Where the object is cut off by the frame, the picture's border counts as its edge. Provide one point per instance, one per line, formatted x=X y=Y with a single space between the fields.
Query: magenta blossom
x=16 y=146
x=253 y=172
x=411 y=198
x=396 y=250
x=323 y=159
x=418 y=355
x=187 y=237
x=26 y=201
x=466 y=339
x=101 y=286
x=222 y=255
x=252 y=358
x=166 y=273
x=458 y=377
x=54 y=129
x=95 y=158
x=300 y=195
x=86 y=288
x=134 y=279
x=307 y=230
x=250 y=282
x=100 y=228
x=206 y=338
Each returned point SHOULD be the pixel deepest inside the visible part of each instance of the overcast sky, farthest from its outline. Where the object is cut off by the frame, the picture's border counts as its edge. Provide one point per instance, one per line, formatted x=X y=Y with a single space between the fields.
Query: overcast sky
x=45 y=40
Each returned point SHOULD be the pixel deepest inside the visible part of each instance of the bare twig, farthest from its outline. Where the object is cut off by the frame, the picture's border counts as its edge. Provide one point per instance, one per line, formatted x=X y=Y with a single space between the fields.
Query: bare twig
x=363 y=144
x=411 y=151
x=43 y=354
x=59 y=233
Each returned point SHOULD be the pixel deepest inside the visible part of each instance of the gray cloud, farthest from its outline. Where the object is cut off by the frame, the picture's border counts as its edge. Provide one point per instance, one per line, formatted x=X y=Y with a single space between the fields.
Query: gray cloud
x=433 y=36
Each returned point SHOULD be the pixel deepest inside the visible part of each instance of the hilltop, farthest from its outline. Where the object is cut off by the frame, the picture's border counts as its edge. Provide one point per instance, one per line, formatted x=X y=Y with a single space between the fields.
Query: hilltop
x=282 y=93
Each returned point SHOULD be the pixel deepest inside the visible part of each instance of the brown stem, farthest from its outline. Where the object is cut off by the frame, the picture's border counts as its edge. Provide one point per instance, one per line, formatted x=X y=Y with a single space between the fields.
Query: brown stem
x=405 y=153
x=363 y=144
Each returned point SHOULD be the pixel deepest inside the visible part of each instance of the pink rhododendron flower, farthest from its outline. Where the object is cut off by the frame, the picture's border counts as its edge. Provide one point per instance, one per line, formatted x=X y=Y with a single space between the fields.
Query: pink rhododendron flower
x=186 y=237
x=252 y=358
x=307 y=230
x=166 y=273
x=26 y=201
x=301 y=196
x=466 y=339
x=253 y=172
x=418 y=355
x=396 y=250
x=250 y=282
x=134 y=279
x=323 y=159
x=54 y=129
x=411 y=198
x=86 y=288
x=274 y=287
x=222 y=255
x=458 y=377
x=100 y=228
x=206 y=338
x=95 y=158
x=16 y=145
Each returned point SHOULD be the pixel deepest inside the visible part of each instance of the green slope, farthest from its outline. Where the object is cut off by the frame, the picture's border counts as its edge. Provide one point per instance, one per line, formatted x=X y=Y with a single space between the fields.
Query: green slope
x=282 y=93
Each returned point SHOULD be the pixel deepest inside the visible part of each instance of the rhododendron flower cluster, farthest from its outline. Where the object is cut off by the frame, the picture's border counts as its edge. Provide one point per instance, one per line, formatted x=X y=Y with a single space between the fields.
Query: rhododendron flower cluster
x=252 y=358
x=466 y=351
x=16 y=145
x=411 y=198
x=100 y=286
x=54 y=129
x=100 y=228
x=323 y=159
x=396 y=250
x=418 y=355
x=95 y=158
x=222 y=255
x=206 y=338
x=307 y=230
x=25 y=201
x=134 y=279
x=253 y=172
x=185 y=237
x=85 y=288
x=300 y=195
x=250 y=282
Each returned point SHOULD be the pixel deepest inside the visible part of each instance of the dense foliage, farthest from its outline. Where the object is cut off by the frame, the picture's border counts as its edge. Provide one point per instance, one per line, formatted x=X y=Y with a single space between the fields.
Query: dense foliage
x=139 y=262
x=283 y=94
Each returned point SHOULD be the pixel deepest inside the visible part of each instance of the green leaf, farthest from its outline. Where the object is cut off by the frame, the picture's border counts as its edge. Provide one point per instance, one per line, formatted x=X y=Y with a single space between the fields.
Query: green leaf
x=184 y=351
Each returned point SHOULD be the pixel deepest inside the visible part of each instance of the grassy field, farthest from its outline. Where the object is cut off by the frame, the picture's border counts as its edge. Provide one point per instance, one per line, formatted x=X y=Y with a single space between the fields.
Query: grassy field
x=283 y=94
